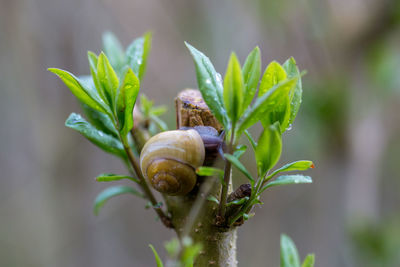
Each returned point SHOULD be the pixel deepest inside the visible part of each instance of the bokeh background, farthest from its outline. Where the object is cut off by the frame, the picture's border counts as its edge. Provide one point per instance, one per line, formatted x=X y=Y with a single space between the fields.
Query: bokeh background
x=349 y=125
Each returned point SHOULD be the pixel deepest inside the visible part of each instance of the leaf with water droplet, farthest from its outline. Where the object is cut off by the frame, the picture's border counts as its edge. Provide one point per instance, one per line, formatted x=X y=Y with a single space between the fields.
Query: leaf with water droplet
x=84 y=94
x=295 y=94
x=288 y=179
x=210 y=85
x=108 y=79
x=105 y=141
x=137 y=54
x=126 y=100
x=265 y=103
x=251 y=75
x=114 y=51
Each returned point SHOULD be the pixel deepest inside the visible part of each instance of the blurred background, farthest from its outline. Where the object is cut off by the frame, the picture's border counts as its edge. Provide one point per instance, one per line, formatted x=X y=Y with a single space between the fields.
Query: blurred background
x=348 y=125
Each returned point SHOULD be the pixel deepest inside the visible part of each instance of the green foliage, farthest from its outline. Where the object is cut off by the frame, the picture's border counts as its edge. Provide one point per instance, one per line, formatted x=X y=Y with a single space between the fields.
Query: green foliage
x=109 y=177
x=275 y=107
x=233 y=89
x=251 y=75
x=137 y=54
x=108 y=79
x=210 y=85
x=265 y=103
x=114 y=51
x=290 y=256
x=151 y=113
x=235 y=161
x=210 y=171
x=157 y=257
x=108 y=97
x=268 y=150
x=273 y=75
x=83 y=93
x=182 y=254
x=289 y=179
x=105 y=141
x=295 y=95
x=110 y=192
x=300 y=165
x=126 y=100
x=309 y=261
x=240 y=150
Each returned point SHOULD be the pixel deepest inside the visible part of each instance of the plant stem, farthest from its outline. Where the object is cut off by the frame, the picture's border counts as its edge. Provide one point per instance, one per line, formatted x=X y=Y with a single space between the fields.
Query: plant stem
x=225 y=186
x=145 y=188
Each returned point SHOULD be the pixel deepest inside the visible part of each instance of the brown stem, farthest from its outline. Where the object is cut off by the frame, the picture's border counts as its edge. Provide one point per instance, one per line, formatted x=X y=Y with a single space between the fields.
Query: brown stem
x=146 y=190
x=225 y=186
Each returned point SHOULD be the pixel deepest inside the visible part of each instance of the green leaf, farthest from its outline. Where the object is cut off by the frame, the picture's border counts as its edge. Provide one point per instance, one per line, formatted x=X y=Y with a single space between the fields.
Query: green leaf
x=309 y=261
x=126 y=100
x=210 y=85
x=281 y=114
x=100 y=120
x=105 y=141
x=233 y=89
x=273 y=75
x=213 y=199
x=93 y=61
x=158 y=111
x=109 y=177
x=208 y=171
x=110 y=192
x=289 y=179
x=172 y=247
x=251 y=140
x=289 y=254
x=295 y=94
x=157 y=257
x=265 y=103
x=108 y=79
x=300 y=165
x=137 y=53
x=251 y=75
x=190 y=252
x=84 y=94
x=269 y=149
x=239 y=201
x=240 y=150
x=114 y=51
x=145 y=105
x=240 y=166
x=159 y=122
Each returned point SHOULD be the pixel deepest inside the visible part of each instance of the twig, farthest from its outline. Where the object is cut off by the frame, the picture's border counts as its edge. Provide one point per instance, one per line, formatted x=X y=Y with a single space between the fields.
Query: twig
x=224 y=191
x=145 y=188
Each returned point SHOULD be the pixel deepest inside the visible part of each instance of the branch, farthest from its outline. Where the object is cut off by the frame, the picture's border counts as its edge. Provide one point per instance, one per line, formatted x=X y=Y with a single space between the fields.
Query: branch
x=145 y=188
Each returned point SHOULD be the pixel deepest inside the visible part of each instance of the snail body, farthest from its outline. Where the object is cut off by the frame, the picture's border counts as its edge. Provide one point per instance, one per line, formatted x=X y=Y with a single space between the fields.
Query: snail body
x=169 y=160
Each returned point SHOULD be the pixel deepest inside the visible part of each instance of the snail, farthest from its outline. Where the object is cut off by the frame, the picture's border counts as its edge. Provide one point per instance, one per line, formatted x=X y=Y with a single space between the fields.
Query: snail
x=169 y=159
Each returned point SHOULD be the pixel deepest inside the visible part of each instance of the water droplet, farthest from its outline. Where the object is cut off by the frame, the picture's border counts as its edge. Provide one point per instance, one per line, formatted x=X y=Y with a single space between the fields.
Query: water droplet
x=218 y=77
x=139 y=61
x=289 y=127
x=208 y=81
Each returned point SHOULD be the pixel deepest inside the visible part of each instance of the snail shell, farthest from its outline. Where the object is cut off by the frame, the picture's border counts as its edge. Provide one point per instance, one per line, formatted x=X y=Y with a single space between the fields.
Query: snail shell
x=169 y=159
